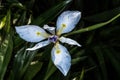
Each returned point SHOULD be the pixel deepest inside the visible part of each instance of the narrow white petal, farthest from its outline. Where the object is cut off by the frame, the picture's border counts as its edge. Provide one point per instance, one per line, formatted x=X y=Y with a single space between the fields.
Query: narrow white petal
x=69 y=41
x=61 y=58
x=50 y=29
x=31 y=33
x=39 y=45
x=67 y=21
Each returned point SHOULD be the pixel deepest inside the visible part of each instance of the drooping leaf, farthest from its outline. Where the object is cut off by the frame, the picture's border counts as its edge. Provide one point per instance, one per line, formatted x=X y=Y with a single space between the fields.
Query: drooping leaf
x=6 y=47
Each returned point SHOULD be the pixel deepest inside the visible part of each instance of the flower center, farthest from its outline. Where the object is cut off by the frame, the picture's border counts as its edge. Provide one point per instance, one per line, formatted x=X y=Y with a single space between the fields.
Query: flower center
x=53 y=38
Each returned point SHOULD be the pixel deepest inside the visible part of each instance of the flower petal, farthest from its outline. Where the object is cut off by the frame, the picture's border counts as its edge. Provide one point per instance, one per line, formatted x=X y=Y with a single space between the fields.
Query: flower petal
x=69 y=41
x=50 y=29
x=67 y=21
x=61 y=58
x=31 y=33
x=39 y=45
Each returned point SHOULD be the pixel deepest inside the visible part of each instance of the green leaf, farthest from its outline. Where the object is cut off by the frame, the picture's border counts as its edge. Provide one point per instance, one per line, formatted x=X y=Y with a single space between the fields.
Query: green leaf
x=98 y=52
x=8 y=21
x=106 y=15
x=32 y=70
x=22 y=18
x=50 y=70
x=6 y=48
x=93 y=27
x=82 y=74
x=50 y=14
x=5 y=55
x=2 y=22
x=21 y=62
x=115 y=63
x=76 y=60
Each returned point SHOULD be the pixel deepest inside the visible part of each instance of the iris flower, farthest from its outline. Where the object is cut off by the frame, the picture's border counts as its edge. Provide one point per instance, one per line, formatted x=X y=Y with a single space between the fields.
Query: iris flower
x=66 y=22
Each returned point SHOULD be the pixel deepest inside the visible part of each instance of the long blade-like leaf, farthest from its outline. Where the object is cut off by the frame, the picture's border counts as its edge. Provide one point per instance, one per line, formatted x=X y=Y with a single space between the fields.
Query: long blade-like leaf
x=93 y=27
x=6 y=47
x=51 y=13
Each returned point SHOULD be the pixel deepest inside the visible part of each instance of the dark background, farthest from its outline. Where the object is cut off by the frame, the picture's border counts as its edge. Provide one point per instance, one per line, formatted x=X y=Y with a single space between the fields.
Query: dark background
x=97 y=59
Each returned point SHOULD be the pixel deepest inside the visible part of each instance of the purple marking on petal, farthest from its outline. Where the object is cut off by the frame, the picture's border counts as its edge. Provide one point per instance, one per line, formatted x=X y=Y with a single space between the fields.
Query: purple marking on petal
x=53 y=38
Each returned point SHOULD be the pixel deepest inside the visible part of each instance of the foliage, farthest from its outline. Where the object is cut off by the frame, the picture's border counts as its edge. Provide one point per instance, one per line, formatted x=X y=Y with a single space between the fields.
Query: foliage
x=98 y=33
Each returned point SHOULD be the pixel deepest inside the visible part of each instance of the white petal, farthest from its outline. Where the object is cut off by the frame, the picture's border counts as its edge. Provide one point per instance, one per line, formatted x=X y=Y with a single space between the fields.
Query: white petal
x=61 y=58
x=50 y=29
x=69 y=41
x=39 y=45
x=67 y=21
x=31 y=33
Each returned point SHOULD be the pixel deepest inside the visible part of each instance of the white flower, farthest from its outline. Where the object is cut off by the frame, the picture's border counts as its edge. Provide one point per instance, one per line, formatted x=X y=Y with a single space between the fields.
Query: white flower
x=66 y=22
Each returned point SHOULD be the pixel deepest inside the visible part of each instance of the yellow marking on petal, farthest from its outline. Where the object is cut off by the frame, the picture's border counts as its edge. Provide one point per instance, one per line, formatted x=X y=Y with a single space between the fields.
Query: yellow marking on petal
x=61 y=29
x=58 y=51
x=38 y=33
x=45 y=35
x=56 y=45
x=42 y=34
x=63 y=25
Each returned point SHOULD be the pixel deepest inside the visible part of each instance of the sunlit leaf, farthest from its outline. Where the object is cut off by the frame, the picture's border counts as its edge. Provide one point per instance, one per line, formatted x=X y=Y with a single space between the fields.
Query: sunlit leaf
x=2 y=22
x=6 y=48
